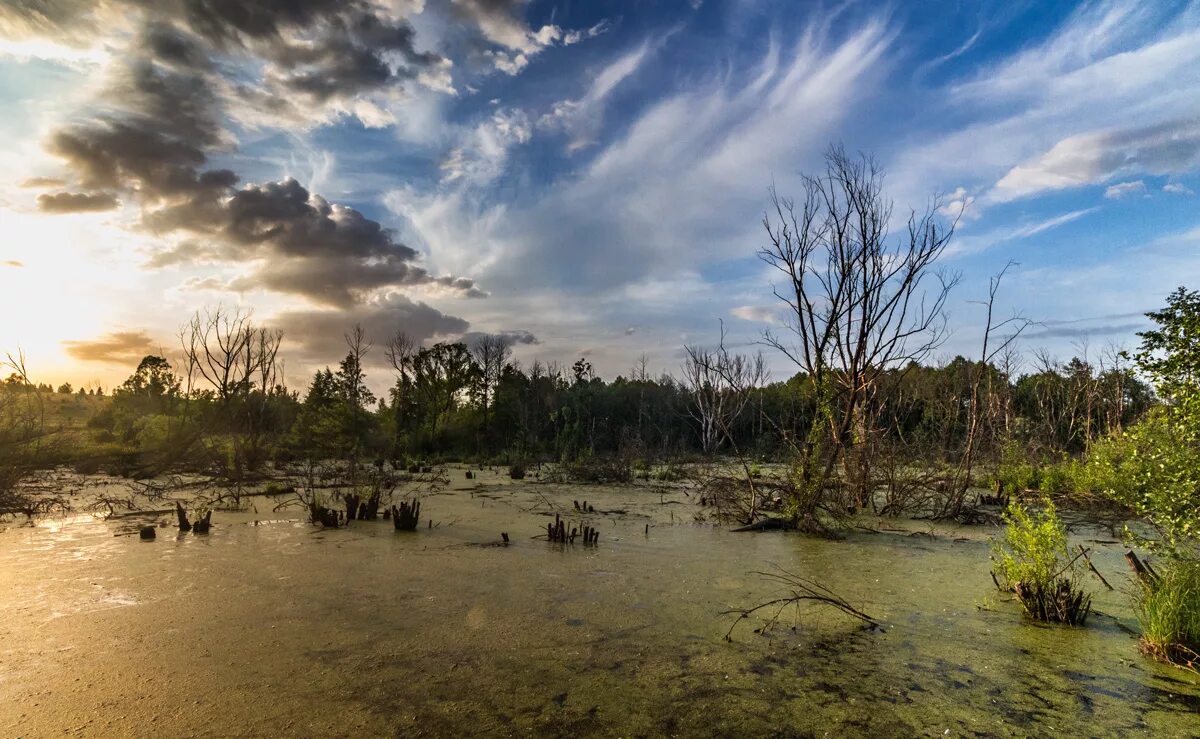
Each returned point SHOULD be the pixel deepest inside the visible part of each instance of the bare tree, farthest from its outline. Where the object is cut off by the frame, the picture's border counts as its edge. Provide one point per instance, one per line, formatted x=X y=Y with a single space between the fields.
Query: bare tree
x=999 y=337
x=227 y=354
x=400 y=350
x=491 y=353
x=225 y=350
x=720 y=386
x=859 y=303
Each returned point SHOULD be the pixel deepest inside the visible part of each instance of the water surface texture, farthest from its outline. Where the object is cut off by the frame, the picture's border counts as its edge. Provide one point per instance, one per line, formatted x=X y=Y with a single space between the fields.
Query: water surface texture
x=270 y=626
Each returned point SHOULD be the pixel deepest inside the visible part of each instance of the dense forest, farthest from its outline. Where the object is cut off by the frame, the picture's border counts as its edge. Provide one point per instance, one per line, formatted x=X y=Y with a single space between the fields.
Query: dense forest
x=454 y=401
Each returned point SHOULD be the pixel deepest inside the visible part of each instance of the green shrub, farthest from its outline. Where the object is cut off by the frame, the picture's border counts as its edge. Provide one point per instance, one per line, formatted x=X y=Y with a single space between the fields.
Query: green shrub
x=1057 y=479
x=1169 y=613
x=668 y=473
x=1154 y=470
x=1031 y=561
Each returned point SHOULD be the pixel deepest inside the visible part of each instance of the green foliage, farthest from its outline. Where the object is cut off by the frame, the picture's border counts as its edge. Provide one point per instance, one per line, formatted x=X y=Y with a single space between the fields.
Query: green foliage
x=1031 y=560
x=1016 y=473
x=1033 y=546
x=1153 y=470
x=1169 y=614
x=1154 y=467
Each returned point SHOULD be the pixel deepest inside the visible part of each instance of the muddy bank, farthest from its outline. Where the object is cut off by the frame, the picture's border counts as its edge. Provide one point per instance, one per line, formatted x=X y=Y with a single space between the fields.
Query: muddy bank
x=271 y=626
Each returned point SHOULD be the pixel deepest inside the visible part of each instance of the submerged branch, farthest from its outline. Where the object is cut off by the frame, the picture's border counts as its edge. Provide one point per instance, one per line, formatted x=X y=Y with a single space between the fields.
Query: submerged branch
x=800 y=590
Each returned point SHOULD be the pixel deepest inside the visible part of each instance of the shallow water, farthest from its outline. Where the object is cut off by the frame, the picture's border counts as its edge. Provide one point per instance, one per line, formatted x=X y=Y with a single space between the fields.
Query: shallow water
x=269 y=626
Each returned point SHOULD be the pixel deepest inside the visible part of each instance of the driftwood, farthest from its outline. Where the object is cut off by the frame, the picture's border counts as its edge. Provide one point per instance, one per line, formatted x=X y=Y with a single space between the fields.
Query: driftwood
x=1092 y=567
x=799 y=590
x=1143 y=570
x=765 y=524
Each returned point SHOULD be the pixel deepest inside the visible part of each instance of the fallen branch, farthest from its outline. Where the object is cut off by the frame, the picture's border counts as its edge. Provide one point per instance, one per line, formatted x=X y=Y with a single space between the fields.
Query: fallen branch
x=801 y=590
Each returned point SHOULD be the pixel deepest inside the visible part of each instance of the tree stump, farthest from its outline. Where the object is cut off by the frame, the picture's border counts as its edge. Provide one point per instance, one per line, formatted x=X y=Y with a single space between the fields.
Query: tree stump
x=184 y=524
x=406 y=515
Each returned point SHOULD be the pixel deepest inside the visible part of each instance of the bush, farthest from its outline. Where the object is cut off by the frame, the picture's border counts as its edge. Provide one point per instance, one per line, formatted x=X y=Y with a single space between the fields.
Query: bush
x=1057 y=479
x=1031 y=562
x=668 y=473
x=1153 y=470
x=1169 y=613
x=599 y=470
x=517 y=471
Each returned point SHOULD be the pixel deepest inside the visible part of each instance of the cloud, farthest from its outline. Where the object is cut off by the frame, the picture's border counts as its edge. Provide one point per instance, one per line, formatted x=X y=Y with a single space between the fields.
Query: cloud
x=12 y=263
x=973 y=243
x=318 y=335
x=482 y=156
x=43 y=182
x=1125 y=189
x=759 y=313
x=501 y=22
x=511 y=338
x=304 y=245
x=1113 y=74
x=1037 y=228
x=1092 y=158
x=1078 y=332
x=118 y=347
x=682 y=183
x=582 y=118
x=1176 y=188
x=153 y=141
x=77 y=202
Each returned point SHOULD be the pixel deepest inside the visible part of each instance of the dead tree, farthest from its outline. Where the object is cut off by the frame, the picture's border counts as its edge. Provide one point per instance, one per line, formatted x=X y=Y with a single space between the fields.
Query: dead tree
x=406 y=516
x=982 y=381
x=859 y=303
x=227 y=354
x=492 y=353
x=720 y=386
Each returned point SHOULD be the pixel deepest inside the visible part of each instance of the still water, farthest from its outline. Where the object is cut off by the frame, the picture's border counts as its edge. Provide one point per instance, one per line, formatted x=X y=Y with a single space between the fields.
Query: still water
x=269 y=626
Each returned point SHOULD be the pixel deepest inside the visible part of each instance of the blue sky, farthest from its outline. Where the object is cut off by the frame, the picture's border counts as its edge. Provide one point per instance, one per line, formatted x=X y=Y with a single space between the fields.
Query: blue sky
x=589 y=176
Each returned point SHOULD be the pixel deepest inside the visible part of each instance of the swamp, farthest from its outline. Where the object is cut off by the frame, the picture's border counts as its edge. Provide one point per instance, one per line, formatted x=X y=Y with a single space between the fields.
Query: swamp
x=363 y=630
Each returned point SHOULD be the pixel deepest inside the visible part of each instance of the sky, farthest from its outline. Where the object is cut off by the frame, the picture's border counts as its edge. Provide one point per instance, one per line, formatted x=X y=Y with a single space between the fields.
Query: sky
x=587 y=177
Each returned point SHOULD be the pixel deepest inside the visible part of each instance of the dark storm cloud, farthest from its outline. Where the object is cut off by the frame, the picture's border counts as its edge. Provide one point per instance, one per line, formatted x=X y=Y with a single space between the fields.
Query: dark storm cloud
x=59 y=19
x=77 y=202
x=329 y=253
x=117 y=347
x=512 y=338
x=319 y=334
x=326 y=49
x=163 y=114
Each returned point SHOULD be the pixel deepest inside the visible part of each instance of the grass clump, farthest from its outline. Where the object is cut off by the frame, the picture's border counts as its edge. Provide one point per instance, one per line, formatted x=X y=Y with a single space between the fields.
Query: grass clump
x=1031 y=562
x=1169 y=613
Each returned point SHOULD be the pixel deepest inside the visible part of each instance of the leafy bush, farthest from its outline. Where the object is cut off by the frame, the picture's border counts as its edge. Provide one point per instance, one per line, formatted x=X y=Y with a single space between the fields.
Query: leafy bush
x=599 y=470
x=1169 y=613
x=1031 y=561
x=668 y=473
x=1155 y=472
